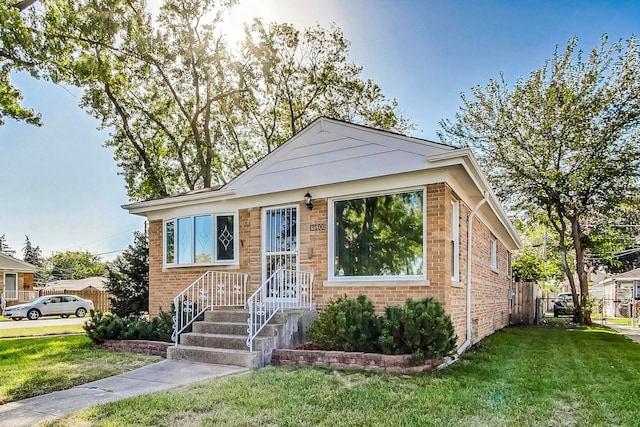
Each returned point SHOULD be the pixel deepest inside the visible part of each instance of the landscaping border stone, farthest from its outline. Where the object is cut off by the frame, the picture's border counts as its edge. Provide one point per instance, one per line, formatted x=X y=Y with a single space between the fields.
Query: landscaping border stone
x=152 y=348
x=350 y=360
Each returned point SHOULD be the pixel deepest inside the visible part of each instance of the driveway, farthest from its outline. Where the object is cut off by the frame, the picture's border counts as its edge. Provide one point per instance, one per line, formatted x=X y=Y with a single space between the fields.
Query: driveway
x=46 y=321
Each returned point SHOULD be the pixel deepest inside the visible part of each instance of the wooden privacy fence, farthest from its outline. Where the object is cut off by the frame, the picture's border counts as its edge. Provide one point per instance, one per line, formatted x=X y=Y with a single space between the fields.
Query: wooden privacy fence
x=100 y=298
x=523 y=304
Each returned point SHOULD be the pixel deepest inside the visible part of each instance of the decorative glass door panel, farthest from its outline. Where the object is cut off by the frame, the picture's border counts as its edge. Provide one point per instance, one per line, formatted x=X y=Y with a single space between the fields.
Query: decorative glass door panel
x=280 y=252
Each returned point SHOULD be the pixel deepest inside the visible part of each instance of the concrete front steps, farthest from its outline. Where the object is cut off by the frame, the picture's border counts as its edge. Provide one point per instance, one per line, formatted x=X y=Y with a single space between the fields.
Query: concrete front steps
x=221 y=338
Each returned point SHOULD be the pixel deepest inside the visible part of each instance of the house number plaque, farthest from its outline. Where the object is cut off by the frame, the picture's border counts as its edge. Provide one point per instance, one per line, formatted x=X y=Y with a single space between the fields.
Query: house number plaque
x=317 y=227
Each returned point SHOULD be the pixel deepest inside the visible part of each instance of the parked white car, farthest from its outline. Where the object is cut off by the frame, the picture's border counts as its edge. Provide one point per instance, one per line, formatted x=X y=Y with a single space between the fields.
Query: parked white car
x=50 y=305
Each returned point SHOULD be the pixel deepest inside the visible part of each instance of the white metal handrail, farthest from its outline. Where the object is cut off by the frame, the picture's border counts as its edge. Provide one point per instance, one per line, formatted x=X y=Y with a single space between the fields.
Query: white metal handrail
x=212 y=289
x=284 y=289
x=20 y=296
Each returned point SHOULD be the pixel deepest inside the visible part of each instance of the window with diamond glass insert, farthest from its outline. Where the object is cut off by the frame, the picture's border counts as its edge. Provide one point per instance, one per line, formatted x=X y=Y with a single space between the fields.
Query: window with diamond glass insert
x=224 y=238
x=202 y=239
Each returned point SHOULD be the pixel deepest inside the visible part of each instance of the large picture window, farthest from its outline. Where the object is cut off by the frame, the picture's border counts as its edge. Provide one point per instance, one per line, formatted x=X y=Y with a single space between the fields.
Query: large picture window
x=379 y=236
x=202 y=239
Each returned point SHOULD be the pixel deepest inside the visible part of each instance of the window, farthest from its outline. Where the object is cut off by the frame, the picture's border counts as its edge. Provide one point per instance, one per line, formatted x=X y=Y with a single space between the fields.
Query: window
x=455 y=255
x=11 y=286
x=202 y=239
x=637 y=283
x=494 y=253
x=379 y=236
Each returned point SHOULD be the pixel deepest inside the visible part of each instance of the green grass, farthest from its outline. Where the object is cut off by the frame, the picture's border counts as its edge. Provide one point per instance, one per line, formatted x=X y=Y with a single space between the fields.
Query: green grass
x=624 y=321
x=41 y=330
x=34 y=366
x=525 y=376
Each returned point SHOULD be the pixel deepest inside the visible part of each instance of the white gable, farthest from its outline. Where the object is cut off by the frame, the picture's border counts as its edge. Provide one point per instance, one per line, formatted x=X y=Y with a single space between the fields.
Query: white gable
x=328 y=152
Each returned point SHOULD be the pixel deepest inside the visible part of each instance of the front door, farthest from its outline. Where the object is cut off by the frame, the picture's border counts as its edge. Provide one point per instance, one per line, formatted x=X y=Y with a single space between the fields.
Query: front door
x=280 y=251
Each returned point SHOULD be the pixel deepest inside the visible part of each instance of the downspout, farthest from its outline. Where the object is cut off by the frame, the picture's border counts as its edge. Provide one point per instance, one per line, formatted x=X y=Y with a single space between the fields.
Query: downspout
x=467 y=342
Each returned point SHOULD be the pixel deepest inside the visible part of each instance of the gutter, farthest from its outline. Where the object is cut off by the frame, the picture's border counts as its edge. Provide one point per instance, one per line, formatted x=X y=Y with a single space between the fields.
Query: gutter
x=467 y=342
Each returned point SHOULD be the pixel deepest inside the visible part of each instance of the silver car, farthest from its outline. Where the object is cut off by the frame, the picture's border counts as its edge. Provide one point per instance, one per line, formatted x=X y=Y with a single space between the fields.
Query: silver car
x=50 y=305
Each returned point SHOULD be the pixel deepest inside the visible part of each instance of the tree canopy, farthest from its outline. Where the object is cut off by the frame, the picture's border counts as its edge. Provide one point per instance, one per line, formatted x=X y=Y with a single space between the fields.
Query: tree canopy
x=563 y=144
x=186 y=110
x=73 y=265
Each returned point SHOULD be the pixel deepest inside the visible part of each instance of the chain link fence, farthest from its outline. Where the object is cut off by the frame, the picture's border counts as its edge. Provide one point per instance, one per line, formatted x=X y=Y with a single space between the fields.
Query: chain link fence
x=603 y=310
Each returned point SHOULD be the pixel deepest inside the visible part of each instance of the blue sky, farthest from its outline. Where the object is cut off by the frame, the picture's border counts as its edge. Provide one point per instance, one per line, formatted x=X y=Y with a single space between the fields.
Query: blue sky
x=60 y=187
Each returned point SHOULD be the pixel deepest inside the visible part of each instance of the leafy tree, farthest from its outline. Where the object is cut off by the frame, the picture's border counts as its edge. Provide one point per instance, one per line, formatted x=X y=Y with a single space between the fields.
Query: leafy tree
x=73 y=265
x=17 y=53
x=129 y=278
x=562 y=144
x=187 y=111
x=529 y=267
x=539 y=260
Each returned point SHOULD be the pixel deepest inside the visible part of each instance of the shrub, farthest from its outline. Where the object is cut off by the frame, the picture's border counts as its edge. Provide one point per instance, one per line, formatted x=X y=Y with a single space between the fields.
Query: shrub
x=421 y=328
x=103 y=327
x=348 y=325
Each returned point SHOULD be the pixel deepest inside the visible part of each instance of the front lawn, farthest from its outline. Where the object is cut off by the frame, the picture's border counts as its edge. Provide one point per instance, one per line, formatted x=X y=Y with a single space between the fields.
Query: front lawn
x=524 y=376
x=34 y=331
x=34 y=366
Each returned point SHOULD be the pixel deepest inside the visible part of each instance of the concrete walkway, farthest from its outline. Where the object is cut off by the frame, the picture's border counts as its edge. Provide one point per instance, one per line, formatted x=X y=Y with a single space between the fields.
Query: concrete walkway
x=156 y=377
x=631 y=332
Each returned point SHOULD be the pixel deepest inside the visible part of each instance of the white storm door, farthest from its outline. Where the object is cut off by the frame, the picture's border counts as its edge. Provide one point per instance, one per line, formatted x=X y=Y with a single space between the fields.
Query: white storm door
x=280 y=251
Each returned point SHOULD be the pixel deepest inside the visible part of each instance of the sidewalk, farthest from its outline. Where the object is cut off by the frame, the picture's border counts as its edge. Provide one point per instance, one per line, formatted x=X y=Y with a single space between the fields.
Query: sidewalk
x=631 y=332
x=156 y=377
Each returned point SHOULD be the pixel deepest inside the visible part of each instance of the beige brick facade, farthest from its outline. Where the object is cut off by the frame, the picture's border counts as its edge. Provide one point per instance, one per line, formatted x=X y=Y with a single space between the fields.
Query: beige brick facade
x=489 y=310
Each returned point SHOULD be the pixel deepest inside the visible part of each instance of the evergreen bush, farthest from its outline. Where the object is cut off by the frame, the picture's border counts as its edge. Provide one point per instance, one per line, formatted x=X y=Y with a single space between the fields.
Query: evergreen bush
x=103 y=327
x=347 y=325
x=421 y=328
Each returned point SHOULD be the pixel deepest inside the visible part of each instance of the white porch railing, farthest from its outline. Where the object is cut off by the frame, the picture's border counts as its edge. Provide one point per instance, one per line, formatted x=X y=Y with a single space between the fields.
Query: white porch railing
x=284 y=289
x=212 y=289
x=20 y=296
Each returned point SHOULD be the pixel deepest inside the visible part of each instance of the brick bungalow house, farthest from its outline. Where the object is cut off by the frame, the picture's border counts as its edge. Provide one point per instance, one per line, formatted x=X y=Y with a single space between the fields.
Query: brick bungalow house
x=16 y=281
x=339 y=209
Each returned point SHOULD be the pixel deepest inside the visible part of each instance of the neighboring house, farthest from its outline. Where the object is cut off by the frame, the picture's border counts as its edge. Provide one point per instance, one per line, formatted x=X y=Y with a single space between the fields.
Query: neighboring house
x=86 y=284
x=341 y=209
x=16 y=280
x=620 y=292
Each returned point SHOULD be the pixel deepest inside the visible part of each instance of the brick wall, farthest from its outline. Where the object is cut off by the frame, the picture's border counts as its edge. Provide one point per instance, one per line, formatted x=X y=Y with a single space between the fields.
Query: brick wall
x=152 y=348
x=489 y=293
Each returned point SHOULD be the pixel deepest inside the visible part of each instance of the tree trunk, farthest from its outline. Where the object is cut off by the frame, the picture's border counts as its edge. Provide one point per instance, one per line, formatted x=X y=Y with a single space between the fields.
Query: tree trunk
x=582 y=312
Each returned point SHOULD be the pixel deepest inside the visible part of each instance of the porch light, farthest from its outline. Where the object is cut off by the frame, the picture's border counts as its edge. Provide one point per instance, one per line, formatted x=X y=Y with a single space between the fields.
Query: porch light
x=307 y=201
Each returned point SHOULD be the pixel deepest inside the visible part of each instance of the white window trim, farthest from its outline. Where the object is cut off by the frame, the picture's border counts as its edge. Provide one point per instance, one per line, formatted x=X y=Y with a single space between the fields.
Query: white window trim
x=455 y=236
x=263 y=237
x=494 y=254
x=236 y=240
x=361 y=280
x=4 y=285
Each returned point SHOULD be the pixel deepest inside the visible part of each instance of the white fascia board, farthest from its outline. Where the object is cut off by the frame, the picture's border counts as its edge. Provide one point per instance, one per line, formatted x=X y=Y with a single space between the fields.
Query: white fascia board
x=467 y=160
x=142 y=208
